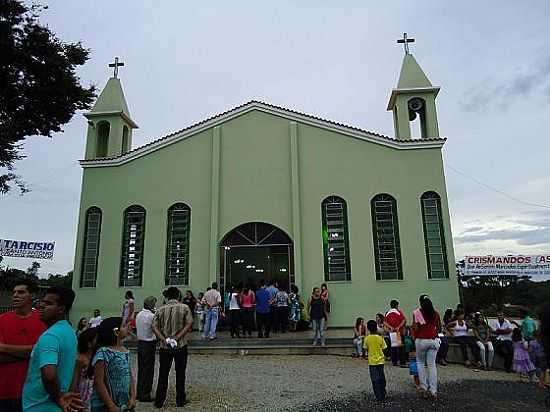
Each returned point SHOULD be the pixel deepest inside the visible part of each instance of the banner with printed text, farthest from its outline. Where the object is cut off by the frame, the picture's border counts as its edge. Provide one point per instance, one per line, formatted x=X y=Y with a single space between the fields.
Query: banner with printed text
x=26 y=249
x=520 y=265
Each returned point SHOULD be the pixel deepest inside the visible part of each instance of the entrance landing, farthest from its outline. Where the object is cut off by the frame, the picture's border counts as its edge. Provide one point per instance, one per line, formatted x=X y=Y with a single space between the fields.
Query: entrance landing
x=338 y=342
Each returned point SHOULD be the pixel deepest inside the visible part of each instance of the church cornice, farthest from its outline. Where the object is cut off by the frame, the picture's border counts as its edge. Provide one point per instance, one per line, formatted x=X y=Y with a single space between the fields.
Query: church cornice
x=410 y=90
x=351 y=131
x=127 y=119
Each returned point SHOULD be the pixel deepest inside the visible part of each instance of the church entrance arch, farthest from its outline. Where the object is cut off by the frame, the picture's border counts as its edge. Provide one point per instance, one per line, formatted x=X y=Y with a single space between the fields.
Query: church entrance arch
x=254 y=251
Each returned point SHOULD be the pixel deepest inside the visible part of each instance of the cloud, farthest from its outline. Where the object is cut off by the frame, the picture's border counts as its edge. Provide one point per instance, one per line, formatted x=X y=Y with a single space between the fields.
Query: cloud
x=534 y=79
x=531 y=228
x=537 y=236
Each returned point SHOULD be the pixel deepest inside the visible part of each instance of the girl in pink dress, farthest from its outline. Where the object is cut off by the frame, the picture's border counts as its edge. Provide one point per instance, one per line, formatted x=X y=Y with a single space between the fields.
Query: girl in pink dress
x=522 y=361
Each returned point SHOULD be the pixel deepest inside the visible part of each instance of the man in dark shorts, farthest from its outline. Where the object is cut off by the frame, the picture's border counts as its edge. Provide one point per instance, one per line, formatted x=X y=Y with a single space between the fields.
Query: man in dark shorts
x=19 y=331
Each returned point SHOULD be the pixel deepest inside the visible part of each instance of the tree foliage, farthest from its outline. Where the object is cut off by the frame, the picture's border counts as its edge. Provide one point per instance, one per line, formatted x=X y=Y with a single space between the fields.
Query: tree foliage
x=39 y=88
x=58 y=280
x=8 y=277
x=491 y=292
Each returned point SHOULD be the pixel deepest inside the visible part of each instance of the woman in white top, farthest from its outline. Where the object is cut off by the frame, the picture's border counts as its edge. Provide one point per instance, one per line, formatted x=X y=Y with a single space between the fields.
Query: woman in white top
x=235 y=312
x=460 y=334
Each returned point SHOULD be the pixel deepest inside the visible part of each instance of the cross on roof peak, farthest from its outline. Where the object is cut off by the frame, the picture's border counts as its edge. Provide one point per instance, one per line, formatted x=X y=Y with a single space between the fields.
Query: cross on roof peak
x=116 y=64
x=405 y=40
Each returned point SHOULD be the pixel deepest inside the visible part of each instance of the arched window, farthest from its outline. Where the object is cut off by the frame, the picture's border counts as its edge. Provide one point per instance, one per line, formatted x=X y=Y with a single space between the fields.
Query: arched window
x=177 y=245
x=434 y=237
x=125 y=147
x=335 y=239
x=133 y=238
x=90 y=251
x=417 y=117
x=103 y=130
x=385 y=230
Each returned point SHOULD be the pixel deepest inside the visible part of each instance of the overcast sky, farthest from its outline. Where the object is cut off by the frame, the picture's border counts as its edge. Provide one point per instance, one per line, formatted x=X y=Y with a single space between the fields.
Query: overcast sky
x=184 y=62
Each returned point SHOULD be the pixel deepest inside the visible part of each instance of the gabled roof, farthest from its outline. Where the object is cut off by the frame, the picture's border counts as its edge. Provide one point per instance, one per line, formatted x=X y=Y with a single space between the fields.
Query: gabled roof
x=111 y=101
x=265 y=108
x=412 y=80
x=411 y=74
x=111 y=98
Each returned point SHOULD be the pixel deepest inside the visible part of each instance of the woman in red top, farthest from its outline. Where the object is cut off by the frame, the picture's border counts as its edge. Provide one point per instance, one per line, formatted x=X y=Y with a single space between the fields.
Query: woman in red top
x=426 y=326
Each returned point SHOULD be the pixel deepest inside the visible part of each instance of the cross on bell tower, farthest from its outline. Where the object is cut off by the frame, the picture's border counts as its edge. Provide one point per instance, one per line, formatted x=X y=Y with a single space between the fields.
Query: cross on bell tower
x=116 y=65
x=413 y=98
x=109 y=123
x=405 y=40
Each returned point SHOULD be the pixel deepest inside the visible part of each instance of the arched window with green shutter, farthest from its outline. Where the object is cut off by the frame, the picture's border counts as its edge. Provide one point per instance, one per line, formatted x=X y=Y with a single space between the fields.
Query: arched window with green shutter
x=133 y=239
x=385 y=230
x=177 y=245
x=335 y=239
x=90 y=251
x=434 y=236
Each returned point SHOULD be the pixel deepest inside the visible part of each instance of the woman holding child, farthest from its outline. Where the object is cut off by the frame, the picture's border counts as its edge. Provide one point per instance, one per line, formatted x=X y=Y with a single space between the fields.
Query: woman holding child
x=426 y=327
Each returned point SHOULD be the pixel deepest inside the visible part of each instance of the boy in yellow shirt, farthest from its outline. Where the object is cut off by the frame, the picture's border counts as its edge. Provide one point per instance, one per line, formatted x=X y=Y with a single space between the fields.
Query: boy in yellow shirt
x=375 y=345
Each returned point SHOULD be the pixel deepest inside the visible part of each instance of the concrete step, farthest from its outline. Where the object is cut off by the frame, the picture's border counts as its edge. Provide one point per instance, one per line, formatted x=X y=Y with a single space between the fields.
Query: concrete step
x=266 y=342
x=291 y=344
x=272 y=350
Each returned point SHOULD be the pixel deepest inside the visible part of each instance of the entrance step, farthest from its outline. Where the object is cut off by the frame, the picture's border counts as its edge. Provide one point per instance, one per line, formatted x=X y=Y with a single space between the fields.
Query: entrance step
x=268 y=346
x=272 y=350
x=267 y=342
x=337 y=342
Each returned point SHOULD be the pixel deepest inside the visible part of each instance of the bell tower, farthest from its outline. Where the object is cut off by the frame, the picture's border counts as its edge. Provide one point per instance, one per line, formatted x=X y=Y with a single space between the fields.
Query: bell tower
x=109 y=123
x=414 y=98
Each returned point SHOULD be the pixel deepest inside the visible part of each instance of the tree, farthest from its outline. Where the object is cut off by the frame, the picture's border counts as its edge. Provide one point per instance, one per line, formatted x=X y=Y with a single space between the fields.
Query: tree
x=39 y=89
x=58 y=280
x=32 y=270
x=8 y=276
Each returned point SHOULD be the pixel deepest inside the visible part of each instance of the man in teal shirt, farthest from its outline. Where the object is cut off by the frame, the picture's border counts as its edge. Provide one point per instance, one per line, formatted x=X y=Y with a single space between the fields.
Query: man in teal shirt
x=528 y=325
x=53 y=358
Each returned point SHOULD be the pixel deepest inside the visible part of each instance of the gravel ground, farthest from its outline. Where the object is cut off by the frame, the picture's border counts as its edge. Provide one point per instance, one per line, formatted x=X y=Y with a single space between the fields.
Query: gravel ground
x=335 y=383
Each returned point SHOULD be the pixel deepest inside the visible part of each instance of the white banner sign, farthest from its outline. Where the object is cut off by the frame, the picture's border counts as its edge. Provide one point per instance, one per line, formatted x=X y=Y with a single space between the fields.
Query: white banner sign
x=26 y=249
x=507 y=265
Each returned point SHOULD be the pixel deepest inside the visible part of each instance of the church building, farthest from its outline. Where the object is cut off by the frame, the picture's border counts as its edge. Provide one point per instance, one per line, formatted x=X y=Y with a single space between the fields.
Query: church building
x=265 y=192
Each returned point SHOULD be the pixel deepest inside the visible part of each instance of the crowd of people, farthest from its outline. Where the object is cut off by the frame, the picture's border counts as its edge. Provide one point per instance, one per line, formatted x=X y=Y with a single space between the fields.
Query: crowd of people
x=424 y=343
x=46 y=366
x=265 y=309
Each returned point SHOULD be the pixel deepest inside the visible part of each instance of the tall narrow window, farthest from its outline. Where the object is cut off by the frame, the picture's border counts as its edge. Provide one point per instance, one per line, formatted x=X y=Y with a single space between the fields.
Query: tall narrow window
x=103 y=130
x=133 y=237
x=90 y=253
x=385 y=229
x=434 y=237
x=177 y=245
x=335 y=239
x=125 y=148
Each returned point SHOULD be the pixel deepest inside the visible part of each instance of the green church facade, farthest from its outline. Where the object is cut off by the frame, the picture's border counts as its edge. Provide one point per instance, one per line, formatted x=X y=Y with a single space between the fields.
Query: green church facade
x=315 y=202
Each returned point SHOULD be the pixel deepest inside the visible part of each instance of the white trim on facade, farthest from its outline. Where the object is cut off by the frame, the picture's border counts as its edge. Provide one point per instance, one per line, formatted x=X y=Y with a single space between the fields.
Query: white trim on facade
x=273 y=110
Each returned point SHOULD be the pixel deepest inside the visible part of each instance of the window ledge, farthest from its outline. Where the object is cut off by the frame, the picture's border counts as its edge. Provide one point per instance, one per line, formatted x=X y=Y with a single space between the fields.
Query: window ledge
x=390 y=280
x=336 y=282
x=438 y=279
